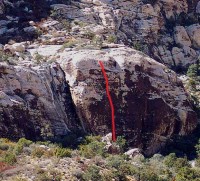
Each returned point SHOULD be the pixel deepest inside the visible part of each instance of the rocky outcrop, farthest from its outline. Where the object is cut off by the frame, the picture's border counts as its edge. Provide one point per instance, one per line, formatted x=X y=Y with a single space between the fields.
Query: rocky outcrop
x=144 y=25
x=149 y=26
x=150 y=102
x=50 y=101
x=35 y=102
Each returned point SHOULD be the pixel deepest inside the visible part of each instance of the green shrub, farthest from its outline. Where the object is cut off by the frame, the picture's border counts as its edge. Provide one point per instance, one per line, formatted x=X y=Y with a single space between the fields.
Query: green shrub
x=187 y=174
x=69 y=44
x=115 y=161
x=92 y=149
x=39 y=58
x=43 y=177
x=170 y=159
x=197 y=163
x=92 y=173
x=62 y=152
x=38 y=152
x=138 y=46
x=124 y=170
x=90 y=139
x=198 y=148
x=10 y=158
x=121 y=142
x=19 y=178
x=18 y=149
x=4 y=56
x=193 y=71
x=56 y=176
x=89 y=34
x=24 y=142
x=112 y=39
x=46 y=143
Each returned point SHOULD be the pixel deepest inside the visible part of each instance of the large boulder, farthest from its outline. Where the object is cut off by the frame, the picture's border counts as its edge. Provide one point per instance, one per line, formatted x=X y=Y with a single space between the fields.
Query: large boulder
x=35 y=102
x=150 y=102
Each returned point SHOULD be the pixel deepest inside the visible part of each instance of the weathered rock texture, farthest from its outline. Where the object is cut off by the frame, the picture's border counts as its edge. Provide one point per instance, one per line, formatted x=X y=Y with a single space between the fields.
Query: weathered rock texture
x=167 y=30
x=150 y=102
x=35 y=102
x=155 y=27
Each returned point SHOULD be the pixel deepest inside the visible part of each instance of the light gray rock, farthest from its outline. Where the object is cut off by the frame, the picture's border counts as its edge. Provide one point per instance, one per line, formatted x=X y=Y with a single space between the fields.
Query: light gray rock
x=181 y=37
x=194 y=33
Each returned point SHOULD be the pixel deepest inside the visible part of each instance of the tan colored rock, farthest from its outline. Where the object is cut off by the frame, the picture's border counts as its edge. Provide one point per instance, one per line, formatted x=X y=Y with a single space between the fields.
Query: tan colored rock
x=16 y=47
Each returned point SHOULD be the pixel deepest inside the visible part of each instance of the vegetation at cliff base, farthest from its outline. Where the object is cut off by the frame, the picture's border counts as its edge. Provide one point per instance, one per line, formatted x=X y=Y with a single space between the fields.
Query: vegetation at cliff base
x=44 y=161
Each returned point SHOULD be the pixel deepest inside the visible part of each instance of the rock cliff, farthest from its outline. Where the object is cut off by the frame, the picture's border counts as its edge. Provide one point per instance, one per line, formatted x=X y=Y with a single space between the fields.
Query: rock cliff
x=35 y=102
x=44 y=101
x=166 y=30
x=41 y=99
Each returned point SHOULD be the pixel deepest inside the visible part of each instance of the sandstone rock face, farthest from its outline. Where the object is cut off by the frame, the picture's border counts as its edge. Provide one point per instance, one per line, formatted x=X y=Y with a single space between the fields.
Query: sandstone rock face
x=35 y=102
x=150 y=102
x=147 y=24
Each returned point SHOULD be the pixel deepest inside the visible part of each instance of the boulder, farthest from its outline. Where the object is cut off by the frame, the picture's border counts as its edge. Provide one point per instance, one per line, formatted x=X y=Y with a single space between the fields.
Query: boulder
x=16 y=47
x=150 y=102
x=181 y=37
x=35 y=102
x=184 y=57
x=194 y=33
x=133 y=152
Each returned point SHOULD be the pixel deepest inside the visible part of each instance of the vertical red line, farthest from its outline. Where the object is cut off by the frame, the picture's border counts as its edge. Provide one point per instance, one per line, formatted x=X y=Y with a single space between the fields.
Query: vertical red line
x=110 y=101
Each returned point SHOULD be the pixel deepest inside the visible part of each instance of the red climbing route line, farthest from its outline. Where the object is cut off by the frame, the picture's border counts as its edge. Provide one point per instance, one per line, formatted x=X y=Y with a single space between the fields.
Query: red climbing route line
x=110 y=101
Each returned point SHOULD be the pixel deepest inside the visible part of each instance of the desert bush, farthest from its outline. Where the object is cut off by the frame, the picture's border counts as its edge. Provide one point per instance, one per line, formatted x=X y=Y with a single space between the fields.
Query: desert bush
x=124 y=170
x=18 y=149
x=56 y=175
x=138 y=46
x=19 y=178
x=24 y=142
x=4 y=56
x=69 y=44
x=92 y=173
x=198 y=148
x=39 y=58
x=10 y=158
x=121 y=142
x=112 y=39
x=46 y=143
x=38 y=152
x=187 y=174
x=62 y=152
x=43 y=177
x=92 y=149
x=115 y=161
x=89 y=34
x=90 y=139
x=193 y=71
x=108 y=175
